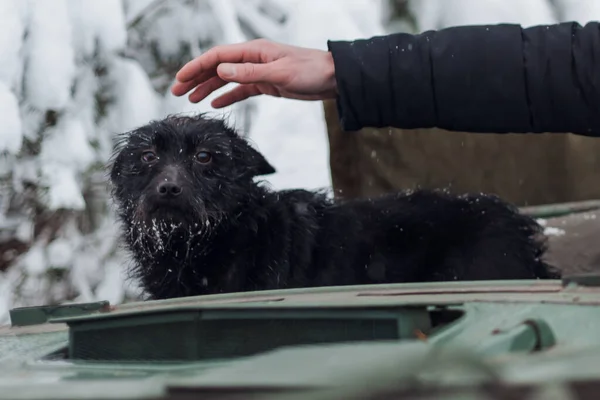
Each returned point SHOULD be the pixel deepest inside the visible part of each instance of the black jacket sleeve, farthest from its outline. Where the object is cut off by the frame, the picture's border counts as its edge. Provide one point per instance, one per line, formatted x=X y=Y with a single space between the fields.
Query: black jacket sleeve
x=496 y=79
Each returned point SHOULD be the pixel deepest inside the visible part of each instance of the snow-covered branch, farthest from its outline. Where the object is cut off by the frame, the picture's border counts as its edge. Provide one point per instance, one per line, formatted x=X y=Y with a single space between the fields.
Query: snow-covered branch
x=259 y=20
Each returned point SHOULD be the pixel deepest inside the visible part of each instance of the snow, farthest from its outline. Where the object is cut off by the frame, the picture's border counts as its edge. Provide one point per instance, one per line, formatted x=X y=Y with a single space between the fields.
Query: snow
x=133 y=8
x=6 y=162
x=350 y=23
x=291 y=136
x=5 y=304
x=83 y=275
x=101 y=20
x=82 y=22
x=227 y=16
x=82 y=109
x=50 y=55
x=259 y=22
x=136 y=100
x=24 y=231
x=25 y=171
x=582 y=11
x=183 y=25
x=63 y=189
x=67 y=144
x=60 y=253
x=11 y=131
x=65 y=153
x=34 y=263
x=435 y=14
x=367 y=15
x=541 y=222
x=109 y=18
x=11 y=32
x=111 y=288
x=31 y=120
x=553 y=231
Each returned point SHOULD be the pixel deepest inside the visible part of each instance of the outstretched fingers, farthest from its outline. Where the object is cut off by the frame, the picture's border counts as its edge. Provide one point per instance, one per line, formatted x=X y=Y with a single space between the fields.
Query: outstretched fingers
x=232 y=53
x=245 y=74
x=206 y=88
x=251 y=62
x=271 y=73
x=179 y=88
x=239 y=93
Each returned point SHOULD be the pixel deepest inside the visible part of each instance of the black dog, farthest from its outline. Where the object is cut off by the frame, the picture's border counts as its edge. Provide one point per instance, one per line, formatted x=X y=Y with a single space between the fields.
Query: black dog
x=197 y=223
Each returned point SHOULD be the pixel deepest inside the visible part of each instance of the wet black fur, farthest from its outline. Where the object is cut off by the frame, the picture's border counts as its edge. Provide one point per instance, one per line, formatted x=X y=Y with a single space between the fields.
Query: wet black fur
x=227 y=233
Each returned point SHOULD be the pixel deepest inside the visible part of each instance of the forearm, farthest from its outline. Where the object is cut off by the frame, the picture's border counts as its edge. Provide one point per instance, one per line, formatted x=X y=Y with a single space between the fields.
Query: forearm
x=498 y=79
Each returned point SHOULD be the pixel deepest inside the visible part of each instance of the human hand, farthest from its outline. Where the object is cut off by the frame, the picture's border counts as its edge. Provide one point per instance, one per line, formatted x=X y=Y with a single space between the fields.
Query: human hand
x=260 y=67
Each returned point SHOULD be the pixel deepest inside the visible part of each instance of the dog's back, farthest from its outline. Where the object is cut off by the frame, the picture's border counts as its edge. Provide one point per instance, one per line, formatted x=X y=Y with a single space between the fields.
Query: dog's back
x=429 y=236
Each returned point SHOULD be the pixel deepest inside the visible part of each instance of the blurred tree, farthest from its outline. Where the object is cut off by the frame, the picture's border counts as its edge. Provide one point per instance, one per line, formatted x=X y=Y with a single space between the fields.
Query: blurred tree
x=74 y=73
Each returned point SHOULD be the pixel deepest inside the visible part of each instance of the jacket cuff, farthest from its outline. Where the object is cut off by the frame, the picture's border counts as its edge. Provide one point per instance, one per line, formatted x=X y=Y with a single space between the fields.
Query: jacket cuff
x=347 y=78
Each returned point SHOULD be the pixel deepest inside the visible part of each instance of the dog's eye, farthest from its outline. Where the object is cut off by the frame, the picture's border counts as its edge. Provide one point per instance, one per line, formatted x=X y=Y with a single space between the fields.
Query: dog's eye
x=149 y=156
x=203 y=157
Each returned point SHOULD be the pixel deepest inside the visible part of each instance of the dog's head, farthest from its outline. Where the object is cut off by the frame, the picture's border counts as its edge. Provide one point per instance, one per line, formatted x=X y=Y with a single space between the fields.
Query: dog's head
x=183 y=170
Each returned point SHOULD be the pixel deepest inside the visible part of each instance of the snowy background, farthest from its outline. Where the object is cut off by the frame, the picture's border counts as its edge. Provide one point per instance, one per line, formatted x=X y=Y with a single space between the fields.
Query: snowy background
x=75 y=72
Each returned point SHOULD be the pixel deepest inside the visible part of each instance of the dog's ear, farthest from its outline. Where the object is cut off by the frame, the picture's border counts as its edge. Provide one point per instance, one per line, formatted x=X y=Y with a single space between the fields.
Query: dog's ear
x=252 y=160
x=261 y=165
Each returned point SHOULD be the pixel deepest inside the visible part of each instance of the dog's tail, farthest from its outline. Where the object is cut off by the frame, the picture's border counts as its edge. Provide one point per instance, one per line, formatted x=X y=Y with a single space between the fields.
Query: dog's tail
x=528 y=240
x=539 y=241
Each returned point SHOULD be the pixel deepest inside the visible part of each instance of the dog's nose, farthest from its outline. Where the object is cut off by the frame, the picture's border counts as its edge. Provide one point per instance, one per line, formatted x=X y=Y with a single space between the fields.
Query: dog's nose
x=169 y=189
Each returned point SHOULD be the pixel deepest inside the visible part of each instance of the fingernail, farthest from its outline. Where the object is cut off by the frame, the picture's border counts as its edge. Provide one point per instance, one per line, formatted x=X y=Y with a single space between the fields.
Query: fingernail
x=227 y=71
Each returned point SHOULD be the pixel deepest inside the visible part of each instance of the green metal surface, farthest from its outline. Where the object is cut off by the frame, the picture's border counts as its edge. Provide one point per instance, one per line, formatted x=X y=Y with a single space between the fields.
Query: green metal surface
x=584 y=279
x=560 y=209
x=38 y=315
x=442 y=340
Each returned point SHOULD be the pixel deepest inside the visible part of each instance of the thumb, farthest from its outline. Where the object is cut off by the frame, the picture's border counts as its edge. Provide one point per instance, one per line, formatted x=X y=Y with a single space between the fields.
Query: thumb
x=250 y=73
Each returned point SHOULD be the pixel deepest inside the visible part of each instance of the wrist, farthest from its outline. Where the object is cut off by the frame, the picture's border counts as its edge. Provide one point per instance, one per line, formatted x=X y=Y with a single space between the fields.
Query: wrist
x=331 y=82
